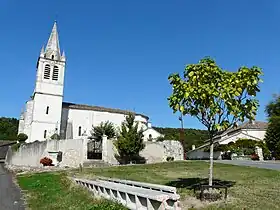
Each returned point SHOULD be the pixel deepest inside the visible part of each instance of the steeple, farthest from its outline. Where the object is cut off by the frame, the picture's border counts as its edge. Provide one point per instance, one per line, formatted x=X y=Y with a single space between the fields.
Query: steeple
x=52 y=49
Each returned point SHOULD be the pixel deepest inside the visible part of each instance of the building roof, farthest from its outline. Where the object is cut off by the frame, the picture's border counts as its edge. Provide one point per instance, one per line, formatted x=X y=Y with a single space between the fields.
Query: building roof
x=255 y=125
x=99 y=109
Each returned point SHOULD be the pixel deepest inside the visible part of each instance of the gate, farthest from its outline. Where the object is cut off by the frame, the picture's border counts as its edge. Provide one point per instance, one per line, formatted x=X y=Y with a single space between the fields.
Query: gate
x=94 y=150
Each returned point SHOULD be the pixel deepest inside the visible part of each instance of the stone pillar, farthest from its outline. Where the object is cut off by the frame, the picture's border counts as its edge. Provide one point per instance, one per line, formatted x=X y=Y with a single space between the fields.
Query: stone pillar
x=104 y=148
x=259 y=152
x=85 y=147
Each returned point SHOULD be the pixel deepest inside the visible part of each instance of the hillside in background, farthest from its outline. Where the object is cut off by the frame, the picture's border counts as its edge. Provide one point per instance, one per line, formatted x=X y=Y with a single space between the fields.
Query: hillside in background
x=192 y=136
x=8 y=128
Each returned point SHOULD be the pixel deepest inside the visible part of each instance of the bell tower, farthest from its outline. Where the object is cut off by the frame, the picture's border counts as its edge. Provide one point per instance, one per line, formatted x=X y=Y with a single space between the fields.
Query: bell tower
x=48 y=93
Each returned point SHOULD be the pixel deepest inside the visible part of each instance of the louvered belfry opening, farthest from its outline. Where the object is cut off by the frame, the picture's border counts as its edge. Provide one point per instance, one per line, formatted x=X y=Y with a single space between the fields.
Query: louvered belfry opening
x=55 y=73
x=47 y=72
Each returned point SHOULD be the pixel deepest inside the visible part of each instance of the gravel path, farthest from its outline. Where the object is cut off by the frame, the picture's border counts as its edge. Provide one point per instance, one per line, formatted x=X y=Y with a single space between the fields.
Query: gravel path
x=10 y=196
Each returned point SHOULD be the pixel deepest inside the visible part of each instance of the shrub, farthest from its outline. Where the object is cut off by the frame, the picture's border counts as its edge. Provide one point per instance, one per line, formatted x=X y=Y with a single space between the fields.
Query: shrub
x=46 y=161
x=22 y=137
x=106 y=128
x=255 y=157
x=55 y=136
x=160 y=138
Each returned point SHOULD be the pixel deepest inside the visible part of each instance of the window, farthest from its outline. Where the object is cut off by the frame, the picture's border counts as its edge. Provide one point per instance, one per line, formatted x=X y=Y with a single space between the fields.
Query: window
x=47 y=72
x=80 y=131
x=150 y=137
x=55 y=73
x=47 y=110
x=52 y=56
x=45 y=134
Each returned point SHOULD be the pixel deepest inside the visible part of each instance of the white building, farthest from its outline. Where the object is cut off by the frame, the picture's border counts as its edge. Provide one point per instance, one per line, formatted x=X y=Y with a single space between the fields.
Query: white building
x=47 y=114
x=254 y=130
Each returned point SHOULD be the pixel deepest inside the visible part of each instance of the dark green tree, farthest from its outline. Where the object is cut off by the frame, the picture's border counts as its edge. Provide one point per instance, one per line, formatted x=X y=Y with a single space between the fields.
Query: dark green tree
x=272 y=135
x=8 y=128
x=106 y=128
x=130 y=141
x=22 y=137
x=55 y=136
x=217 y=98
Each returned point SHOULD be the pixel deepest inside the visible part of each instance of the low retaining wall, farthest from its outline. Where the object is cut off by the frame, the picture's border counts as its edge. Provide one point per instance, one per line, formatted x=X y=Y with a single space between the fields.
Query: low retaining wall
x=201 y=155
x=154 y=152
x=29 y=154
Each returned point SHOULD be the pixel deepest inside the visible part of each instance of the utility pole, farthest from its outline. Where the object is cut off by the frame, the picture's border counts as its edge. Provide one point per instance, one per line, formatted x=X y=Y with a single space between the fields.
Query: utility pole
x=182 y=136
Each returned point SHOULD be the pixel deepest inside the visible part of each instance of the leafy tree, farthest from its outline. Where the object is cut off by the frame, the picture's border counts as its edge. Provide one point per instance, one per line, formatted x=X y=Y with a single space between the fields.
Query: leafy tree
x=272 y=135
x=130 y=141
x=8 y=128
x=217 y=98
x=106 y=128
x=22 y=137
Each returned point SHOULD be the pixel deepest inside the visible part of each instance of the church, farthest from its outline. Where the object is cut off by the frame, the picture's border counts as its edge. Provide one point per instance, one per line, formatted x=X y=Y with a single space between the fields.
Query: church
x=46 y=113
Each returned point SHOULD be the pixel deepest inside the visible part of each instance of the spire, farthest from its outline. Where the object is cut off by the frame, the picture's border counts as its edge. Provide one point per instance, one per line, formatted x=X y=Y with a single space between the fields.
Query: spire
x=52 y=48
x=42 y=51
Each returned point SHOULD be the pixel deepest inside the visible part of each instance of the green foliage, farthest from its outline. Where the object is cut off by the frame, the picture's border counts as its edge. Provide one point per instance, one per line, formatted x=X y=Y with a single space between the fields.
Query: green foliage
x=130 y=141
x=22 y=137
x=217 y=98
x=191 y=136
x=272 y=136
x=106 y=128
x=55 y=136
x=8 y=128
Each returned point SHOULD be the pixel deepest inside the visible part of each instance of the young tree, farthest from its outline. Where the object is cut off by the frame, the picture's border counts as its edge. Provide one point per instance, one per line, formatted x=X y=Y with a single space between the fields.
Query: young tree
x=272 y=135
x=217 y=98
x=106 y=128
x=130 y=140
x=22 y=137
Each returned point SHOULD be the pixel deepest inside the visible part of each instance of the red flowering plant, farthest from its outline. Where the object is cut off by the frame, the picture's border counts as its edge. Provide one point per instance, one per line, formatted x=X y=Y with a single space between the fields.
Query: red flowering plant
x=255 y=157
x=46 y=161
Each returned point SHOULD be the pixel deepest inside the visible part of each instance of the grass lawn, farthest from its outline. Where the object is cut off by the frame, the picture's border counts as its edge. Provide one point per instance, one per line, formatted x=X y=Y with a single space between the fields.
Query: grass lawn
x=253 y=188
x=54 y=191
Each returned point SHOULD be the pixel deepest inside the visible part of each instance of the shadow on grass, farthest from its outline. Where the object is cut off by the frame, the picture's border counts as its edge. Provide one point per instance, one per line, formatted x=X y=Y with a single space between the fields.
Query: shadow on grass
x=191 y=183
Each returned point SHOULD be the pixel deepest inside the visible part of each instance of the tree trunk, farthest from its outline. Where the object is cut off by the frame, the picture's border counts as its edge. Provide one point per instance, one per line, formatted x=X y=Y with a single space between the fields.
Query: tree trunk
x=211 y=163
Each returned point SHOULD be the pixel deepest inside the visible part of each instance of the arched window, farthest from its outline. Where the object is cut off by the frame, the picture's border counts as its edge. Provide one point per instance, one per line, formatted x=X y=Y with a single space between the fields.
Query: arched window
x=80 y=131
x=55 y=73
x=47 y=110
x=47 y=72
x=150 y=137
x=52 y=56
x=45 y=134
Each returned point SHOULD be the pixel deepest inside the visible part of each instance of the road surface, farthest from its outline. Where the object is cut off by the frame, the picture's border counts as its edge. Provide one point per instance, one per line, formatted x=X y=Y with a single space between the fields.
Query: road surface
x=10 y=196
x=275 y=165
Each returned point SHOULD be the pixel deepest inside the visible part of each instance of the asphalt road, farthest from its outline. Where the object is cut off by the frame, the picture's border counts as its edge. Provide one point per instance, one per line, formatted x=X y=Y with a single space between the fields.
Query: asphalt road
x=10 y=196
x=275 y=165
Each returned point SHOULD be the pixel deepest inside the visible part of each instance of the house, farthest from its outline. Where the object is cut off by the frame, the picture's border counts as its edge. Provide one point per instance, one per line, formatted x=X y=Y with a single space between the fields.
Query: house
x=46 y=114
x=254 y=130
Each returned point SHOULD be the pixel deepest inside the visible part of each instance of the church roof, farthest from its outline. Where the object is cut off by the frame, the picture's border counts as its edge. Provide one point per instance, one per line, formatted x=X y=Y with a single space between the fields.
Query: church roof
x=98 y=108
x=53 y=42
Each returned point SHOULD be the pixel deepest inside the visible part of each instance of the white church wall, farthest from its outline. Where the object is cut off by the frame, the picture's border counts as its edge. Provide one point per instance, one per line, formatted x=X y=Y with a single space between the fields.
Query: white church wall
x=88 y=118
x=154 y=134
x=42 y=101
x=39 y=128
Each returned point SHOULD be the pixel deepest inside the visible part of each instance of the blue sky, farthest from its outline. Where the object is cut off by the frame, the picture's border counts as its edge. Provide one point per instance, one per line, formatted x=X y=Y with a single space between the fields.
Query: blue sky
x=120 y=53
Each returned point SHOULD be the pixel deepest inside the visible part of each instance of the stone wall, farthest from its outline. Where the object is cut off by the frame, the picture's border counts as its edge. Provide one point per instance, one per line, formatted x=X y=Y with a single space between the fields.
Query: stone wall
x=154 y=152
x=29 y=154
x=201 y=155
